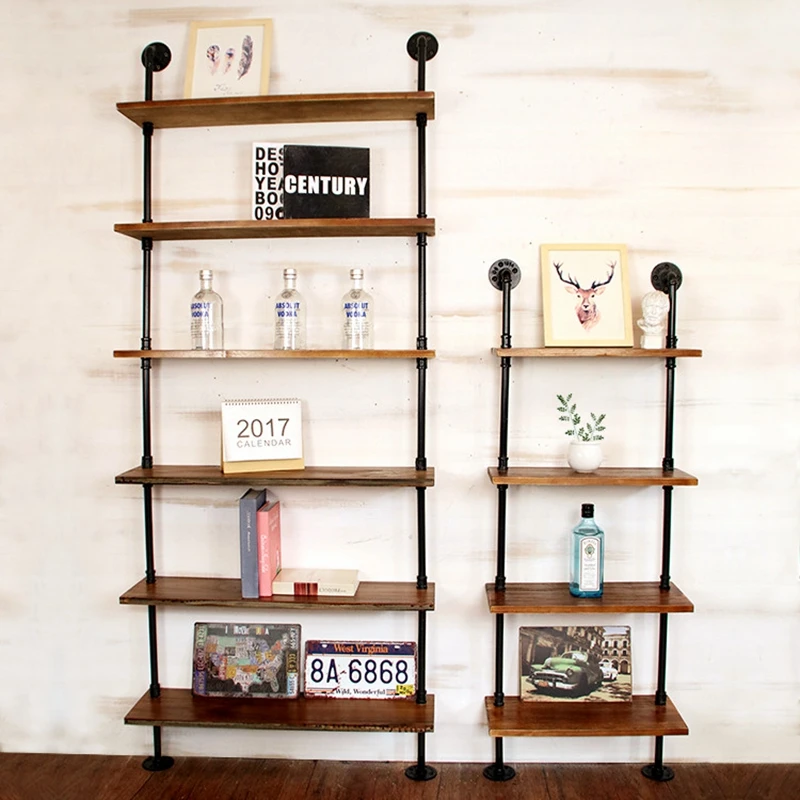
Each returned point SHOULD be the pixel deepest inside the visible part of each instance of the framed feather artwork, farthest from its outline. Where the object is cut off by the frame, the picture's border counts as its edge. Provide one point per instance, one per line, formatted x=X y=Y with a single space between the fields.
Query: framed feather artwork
x=229 y=58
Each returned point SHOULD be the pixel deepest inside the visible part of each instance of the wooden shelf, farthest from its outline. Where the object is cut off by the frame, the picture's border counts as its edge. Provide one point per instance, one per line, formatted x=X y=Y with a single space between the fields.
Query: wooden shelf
x=276 y=229
x=595 y=352
x=181 y=708
x=605 y=476
x=618 y=598
x=310 y=476
x=639 y=717
x=371 y=596
x=277 y=109
x=279 y=354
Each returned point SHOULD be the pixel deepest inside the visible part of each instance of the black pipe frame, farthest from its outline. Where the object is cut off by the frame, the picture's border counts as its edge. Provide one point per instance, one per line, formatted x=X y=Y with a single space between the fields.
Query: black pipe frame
x=422 y=47
x=155 y=57
x=504 y=275
x=667 y=278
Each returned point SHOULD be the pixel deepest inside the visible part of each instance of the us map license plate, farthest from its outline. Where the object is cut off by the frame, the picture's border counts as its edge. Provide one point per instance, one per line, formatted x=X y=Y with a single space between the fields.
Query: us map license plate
x=377 y=670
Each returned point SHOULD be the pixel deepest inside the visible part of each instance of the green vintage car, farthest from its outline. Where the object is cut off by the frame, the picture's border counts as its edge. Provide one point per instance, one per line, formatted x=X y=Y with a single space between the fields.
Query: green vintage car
x=573 y=672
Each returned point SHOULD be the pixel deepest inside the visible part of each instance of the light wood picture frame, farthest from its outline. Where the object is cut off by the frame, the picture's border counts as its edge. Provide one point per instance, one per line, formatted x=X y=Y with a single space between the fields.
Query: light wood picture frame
x=586 y=297
x=228 y=58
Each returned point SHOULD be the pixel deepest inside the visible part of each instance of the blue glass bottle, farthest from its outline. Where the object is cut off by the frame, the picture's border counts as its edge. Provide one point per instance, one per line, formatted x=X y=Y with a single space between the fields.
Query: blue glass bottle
x=588 y=552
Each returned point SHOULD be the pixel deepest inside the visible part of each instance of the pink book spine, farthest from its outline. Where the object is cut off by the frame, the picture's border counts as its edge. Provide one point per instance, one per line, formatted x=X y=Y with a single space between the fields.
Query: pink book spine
x=269 y=547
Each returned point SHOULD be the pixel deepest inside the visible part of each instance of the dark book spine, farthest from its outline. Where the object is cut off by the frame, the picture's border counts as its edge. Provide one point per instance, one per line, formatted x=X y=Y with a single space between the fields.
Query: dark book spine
x=248 y=541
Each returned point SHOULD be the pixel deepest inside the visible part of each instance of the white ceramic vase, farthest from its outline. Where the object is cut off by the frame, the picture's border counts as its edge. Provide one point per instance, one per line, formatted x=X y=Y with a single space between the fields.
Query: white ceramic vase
x=584 y=456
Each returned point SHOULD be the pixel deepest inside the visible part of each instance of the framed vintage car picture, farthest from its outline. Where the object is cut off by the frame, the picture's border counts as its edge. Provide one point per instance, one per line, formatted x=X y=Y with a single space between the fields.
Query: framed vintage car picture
x=580 y=663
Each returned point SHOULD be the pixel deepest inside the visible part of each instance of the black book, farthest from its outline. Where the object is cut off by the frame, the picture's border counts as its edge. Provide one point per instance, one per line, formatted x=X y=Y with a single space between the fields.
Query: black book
x=325 y=182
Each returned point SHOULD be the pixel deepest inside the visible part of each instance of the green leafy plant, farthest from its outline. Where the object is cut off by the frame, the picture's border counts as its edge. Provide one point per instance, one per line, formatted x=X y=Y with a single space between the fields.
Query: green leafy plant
x=590 y=431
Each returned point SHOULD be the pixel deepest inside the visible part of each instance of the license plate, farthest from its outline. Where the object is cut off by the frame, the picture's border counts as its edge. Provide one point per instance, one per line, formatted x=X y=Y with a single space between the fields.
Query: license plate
x=377 y=670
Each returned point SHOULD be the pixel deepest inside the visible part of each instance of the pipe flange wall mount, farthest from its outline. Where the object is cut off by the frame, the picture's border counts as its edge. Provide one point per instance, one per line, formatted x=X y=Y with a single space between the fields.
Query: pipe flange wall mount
x=156 y=56
x=431 y=45
x=665 y=275
x=501 y=267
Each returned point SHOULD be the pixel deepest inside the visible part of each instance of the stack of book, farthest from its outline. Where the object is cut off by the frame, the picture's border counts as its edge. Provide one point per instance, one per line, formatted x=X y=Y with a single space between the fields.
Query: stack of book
x=260 y=553
x=259 y=541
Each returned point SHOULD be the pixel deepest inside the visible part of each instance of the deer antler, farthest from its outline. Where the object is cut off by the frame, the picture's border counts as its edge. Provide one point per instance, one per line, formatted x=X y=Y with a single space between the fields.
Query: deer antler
x=596 y=285
x=569 y=279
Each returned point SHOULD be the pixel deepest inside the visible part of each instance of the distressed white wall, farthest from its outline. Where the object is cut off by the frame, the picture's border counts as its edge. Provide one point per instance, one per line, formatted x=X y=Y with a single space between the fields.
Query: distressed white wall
x=672 y=127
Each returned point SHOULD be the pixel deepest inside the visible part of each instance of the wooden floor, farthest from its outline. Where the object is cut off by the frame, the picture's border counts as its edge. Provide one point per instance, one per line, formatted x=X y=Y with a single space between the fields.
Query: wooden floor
x=26 y=776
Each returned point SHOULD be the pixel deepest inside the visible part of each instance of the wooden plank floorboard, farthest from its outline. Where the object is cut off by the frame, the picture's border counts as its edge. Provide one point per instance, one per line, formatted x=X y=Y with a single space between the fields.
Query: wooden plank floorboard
x=698 y=781
x=466 y=782
x=230 y=779
x=758 y=781
x=352 y=780
x=613 y=781
x=31 y=776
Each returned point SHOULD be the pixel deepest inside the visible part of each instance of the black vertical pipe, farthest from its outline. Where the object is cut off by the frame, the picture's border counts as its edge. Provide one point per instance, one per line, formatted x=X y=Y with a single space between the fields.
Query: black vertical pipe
x=147 y=249
x=503 y=275
x=422 y=180
x=420 y=52
x=666 y=277
x=661 y=689
x=668 y=463
x=502 y=499
x=417 y=47
x=421 y=653
x=155 y=688
x=150 y=565
x=505 y=381
x=505 y=338
x=499 y=697
x=422 y=293
x=505 y=376
x=422 y=578
x=658 y=760
x=155 y=57
x=498 y=771
x=666 y=539
x=422 y=58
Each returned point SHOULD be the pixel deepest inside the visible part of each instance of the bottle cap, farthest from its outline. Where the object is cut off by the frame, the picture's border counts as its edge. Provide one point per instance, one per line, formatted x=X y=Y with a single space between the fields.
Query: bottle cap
x=587 y=510
x=206 y=274
x=290 y=272
x=357 y=274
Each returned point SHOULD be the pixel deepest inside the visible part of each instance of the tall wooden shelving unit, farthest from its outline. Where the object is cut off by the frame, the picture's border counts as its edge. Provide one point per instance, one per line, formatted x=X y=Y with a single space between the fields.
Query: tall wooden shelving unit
x=160 y=707
x=646 y=715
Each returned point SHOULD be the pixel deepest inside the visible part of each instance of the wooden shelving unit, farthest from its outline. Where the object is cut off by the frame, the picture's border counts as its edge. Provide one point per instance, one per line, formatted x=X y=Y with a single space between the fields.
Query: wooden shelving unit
x=180 y=707
x=160 y=706
x=275 y=229
x=281 y=355
x=594 y=352
x=617 y=598
x=212 y=475
x=640 y=717
x=227 y=592
x=605 y=476
x=281 y=109
x=644 y=715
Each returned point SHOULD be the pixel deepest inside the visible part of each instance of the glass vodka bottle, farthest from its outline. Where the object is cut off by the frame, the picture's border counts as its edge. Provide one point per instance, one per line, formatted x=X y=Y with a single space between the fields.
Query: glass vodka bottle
x=290 y=315
x=206 y=309
x=357 y=315
x=588 y=553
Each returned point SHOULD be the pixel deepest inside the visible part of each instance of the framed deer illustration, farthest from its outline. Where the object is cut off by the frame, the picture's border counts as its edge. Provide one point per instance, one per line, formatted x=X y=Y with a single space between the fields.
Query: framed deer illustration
x=586 y=295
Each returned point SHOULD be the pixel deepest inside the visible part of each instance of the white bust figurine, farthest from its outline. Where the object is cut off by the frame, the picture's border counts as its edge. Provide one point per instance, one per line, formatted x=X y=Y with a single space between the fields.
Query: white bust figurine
x=655 y=307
